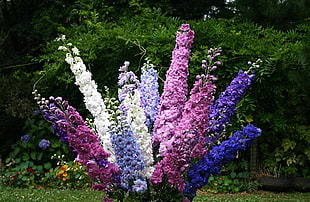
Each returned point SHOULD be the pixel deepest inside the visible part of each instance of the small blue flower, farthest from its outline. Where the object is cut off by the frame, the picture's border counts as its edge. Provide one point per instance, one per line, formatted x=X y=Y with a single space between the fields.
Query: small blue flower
x=139 y=185
x=44 y=144
x=25 y=138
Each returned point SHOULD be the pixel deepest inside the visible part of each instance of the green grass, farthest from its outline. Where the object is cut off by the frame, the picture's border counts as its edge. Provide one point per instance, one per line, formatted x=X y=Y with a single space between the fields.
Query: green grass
x=8 y=194
x=258 y=197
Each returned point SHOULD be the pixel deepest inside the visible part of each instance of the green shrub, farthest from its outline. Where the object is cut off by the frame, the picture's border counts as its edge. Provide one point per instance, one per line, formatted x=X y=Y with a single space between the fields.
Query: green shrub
x=235 y=177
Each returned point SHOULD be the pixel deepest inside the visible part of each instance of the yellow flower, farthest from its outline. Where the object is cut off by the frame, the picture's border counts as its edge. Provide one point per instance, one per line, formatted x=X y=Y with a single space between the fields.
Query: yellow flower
x=65 y=167
x=65 y=174
x=64 y=179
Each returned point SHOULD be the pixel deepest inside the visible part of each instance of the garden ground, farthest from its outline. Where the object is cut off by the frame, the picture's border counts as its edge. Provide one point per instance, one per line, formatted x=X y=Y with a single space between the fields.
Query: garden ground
x=8 y=194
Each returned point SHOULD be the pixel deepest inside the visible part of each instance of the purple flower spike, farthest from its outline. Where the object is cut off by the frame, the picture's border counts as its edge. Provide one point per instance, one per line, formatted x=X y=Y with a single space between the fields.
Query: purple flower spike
x=199 y=173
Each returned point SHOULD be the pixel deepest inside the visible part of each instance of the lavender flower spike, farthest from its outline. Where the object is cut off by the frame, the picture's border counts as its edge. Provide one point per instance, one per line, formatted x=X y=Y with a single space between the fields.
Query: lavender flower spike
x=175 y=91
x=149 y=94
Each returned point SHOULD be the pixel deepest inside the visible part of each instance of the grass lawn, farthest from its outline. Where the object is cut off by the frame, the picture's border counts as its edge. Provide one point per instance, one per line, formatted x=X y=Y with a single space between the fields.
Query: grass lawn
x=8 y=194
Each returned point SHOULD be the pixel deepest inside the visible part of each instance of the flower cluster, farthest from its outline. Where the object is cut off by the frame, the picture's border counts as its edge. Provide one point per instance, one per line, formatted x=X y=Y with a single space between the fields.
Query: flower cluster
x=92 y=98
x=84 y=141
x=131 y=131
x=212 y=163
x=127 y=152
x=149 y=93
x=137 y=119
x=174 y=96
x=128 y=82
x=158 y=145
x=189 y=139
x=52 y=114
x=225 y=106
x=63 y=172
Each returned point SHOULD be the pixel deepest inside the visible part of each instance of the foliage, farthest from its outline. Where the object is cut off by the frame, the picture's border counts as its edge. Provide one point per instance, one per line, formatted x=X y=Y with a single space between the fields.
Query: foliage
x=235 y=182
x=283 y=15
x=15 y=105
x=67 y=175
x=29 y=159
x=235 y=177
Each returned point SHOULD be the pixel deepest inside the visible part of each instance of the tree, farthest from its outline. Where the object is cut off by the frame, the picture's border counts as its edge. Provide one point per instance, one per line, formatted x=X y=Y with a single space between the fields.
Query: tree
x=282 y=14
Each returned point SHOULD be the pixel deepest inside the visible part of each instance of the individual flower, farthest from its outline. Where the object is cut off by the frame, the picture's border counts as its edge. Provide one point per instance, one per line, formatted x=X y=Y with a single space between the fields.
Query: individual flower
x=75 y=51
x=29 y=169
x=25 y=138
x=44 y=144
x=139 y=185
x=174 y=95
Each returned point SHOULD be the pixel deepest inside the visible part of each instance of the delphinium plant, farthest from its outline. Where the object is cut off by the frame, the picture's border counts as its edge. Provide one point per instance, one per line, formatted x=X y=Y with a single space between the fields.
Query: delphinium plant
x=151 y=147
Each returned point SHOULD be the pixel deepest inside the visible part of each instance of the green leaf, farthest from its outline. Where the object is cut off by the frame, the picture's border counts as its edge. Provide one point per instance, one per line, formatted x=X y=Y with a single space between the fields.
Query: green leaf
x=235 y=189
x=39 y=167
x=24 y=165
x=7 y=160
x=47 y=165
x=211 y=178
x=39 y=156
x=33 y=155
x=55 y=144
x=17 y=160
x=15 y=152
x=233 y=175
x=25 y=157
